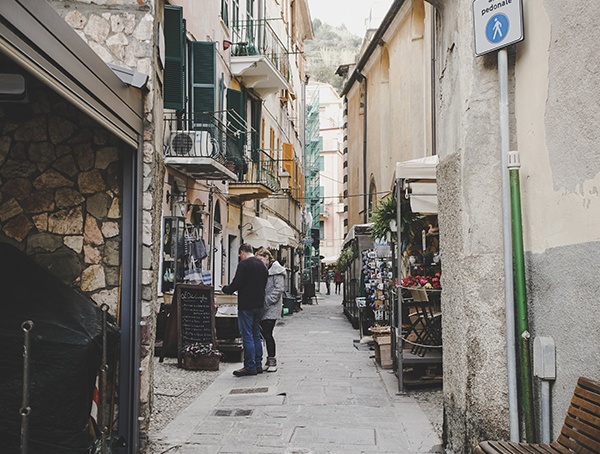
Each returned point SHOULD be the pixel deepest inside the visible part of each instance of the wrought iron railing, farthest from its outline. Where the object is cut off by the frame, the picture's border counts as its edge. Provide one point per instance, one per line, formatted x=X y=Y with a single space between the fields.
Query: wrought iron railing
x=257 y=37
x=207 y=134
x=260 y=168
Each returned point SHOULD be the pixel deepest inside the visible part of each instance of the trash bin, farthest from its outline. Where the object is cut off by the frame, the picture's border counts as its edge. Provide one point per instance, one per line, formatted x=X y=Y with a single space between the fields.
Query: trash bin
x=289 y=303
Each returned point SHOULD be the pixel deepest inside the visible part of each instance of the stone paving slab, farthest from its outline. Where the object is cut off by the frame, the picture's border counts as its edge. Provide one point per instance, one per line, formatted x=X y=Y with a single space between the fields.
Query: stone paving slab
x=327 y=397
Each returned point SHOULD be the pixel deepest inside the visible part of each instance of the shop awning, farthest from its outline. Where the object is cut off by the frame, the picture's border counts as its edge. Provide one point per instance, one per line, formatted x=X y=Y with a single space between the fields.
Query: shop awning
x=259 y=232
x=330 y=260
x=287 y=236
x=417 y=169
x=420 y=183
x=362 y=232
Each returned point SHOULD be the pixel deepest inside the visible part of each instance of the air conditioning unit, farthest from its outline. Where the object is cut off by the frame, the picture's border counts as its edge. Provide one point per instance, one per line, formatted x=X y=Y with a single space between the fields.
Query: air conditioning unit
x=191 y=143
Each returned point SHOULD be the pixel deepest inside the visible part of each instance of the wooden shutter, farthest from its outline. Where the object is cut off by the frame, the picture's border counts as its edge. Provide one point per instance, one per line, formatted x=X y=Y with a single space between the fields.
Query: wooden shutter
x=288 y=158
x=290 y=166
x=203 y=80
x=174 y=57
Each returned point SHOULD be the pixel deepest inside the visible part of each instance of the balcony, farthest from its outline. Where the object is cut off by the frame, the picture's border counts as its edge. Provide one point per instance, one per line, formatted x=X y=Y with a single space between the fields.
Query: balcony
x=258 y=178
x=259 y=57
x=204 y=147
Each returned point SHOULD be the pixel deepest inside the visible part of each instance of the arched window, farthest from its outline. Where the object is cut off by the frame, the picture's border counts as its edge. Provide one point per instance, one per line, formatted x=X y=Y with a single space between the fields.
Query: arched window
x=218 y=226
x=372 y=197
x=385 y=65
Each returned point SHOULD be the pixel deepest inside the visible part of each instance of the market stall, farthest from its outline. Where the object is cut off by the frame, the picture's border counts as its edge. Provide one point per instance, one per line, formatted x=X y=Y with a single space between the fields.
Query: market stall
x=350 y=262
x=417 y=327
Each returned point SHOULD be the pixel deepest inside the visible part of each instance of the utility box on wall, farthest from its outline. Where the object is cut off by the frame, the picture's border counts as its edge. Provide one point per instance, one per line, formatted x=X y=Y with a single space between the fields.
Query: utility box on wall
x=544 y=358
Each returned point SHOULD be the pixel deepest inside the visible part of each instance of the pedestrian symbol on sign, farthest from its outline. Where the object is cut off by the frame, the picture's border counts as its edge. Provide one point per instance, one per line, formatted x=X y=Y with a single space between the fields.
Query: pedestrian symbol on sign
x=497 y=28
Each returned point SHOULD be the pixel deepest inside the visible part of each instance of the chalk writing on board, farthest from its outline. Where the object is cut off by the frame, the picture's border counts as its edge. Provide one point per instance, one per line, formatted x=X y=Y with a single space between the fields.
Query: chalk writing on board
x=196 y=315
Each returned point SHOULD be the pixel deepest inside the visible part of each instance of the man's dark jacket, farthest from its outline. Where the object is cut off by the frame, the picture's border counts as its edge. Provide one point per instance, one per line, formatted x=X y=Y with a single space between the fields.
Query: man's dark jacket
x=250 y=281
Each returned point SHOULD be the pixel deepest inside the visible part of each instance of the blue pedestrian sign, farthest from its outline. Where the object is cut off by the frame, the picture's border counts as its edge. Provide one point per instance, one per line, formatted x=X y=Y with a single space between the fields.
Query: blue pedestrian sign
x=497 y=24
x=497 y=28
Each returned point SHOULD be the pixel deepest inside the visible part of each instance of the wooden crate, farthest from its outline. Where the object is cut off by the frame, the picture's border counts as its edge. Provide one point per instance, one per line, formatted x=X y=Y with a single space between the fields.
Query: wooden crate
x=383 y=351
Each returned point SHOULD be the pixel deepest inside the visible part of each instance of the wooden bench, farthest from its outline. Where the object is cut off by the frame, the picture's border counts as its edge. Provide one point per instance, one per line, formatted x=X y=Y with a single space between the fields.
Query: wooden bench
x=580 y=432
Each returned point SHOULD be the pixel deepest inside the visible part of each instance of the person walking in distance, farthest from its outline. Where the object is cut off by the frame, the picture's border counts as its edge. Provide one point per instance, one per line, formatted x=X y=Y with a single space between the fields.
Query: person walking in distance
x=328 y=281
x=338 y=278
x=249 y=281
x=273 y=305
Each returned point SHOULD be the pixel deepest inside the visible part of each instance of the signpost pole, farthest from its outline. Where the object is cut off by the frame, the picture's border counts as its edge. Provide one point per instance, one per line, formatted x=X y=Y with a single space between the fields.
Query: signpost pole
x=511 y=353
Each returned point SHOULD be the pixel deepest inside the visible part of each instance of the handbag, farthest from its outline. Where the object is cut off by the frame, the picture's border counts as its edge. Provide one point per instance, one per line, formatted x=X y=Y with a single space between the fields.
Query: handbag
x=192 y=274
x=206 y=278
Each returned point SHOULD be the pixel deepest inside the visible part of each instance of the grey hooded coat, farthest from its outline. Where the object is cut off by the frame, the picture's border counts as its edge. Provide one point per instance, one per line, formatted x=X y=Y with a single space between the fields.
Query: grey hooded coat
x=274 y=292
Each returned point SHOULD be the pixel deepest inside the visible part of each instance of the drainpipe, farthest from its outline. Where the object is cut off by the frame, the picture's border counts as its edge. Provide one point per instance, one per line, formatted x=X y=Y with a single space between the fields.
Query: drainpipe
x=211 y=229
x=433 y=99
x=521 y=302
x=365 y=184
x=511 y=357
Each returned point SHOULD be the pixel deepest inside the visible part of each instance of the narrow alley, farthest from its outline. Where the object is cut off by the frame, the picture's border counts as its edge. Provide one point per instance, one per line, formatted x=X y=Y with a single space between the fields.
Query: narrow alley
x=327 y=396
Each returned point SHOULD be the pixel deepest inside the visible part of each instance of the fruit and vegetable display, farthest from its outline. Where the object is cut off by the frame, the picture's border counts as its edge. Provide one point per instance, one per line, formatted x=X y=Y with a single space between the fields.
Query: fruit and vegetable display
x=430 y=282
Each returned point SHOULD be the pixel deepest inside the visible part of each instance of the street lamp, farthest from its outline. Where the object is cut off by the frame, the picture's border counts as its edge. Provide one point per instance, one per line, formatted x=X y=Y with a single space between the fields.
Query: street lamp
x=284 y=180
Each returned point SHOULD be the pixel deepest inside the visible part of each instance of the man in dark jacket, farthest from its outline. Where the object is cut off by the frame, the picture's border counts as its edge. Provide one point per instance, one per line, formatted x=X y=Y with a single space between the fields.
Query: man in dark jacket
x=250 y=281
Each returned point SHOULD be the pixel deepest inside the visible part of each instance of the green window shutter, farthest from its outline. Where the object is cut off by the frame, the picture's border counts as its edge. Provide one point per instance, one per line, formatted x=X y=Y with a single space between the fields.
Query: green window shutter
x=203 y=79
x=174 y=57
x=236 y=112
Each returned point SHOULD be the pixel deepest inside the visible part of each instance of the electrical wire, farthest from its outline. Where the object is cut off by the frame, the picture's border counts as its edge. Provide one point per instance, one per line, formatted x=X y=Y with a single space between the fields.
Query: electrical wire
x=284 y=196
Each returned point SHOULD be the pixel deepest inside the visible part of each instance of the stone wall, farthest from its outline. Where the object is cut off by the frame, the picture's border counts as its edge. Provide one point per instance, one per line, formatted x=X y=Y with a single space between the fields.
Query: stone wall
x=60 y=192
x=123 y=32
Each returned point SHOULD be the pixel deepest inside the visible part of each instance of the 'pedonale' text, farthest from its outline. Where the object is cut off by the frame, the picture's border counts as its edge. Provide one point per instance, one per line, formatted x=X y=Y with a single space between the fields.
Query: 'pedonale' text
x=495 y=6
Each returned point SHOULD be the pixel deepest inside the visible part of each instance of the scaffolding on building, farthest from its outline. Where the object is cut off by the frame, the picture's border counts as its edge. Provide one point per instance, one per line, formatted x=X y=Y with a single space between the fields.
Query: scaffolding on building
x=312 y=189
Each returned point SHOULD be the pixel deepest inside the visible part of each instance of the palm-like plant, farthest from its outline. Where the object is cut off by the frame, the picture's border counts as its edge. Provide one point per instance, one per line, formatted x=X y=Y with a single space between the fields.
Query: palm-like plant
x=386 y=212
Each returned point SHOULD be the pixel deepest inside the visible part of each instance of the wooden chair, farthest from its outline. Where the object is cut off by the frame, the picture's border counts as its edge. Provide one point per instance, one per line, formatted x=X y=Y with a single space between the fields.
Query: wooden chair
x=580 y=432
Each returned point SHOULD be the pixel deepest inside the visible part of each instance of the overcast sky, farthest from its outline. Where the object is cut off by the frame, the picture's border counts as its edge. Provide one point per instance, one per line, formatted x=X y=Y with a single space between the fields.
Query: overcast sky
x=352 y=13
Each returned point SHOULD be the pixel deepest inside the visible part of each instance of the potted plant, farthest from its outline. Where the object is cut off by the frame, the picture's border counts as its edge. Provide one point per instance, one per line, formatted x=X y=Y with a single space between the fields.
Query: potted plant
x=386 y=213
x=198 y=356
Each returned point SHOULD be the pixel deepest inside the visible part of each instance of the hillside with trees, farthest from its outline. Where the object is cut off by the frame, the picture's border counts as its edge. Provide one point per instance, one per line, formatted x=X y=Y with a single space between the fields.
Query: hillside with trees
x=331 y=47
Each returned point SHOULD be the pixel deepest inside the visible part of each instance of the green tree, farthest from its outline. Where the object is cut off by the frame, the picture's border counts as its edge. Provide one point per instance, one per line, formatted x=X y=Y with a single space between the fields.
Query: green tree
x=330 y=48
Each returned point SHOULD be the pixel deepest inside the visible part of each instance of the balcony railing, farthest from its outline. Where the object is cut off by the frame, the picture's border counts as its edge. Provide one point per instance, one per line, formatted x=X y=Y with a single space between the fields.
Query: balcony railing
x=261 y=169
x=205 y=145
x=257 y=37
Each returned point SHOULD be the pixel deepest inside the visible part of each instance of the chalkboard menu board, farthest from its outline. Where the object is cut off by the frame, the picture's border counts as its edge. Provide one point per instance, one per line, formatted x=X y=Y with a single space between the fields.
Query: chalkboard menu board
x=195 y=315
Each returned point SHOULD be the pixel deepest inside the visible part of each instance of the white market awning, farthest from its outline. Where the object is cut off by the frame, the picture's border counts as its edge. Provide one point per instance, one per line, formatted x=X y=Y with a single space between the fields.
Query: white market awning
x=330 y=260
x=420 y=184
x=417 y=169
x=286 y=234
x=259 y=232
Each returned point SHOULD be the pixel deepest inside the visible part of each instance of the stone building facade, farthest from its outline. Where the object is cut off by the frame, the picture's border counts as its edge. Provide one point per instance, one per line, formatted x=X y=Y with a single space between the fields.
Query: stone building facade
x=123 y=33
x=553 y=120
x=60 y=193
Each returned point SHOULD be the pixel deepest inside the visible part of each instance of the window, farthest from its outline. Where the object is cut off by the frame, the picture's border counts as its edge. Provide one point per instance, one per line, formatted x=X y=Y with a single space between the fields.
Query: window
x=236 y=112
x=235 y=14
x=225 y=11
x=250 y=9
x=372 y=198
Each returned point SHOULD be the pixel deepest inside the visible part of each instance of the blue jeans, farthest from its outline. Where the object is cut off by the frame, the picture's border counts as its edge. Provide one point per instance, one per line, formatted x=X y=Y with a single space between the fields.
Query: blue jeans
x=249 y=326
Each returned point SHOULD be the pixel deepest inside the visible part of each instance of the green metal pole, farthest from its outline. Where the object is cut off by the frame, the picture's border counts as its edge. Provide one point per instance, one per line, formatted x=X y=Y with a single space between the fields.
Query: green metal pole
x=521 y=300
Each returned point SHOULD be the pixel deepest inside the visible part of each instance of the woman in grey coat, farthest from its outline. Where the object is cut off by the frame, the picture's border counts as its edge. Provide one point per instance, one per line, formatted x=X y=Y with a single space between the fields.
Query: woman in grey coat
x=273 y=305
